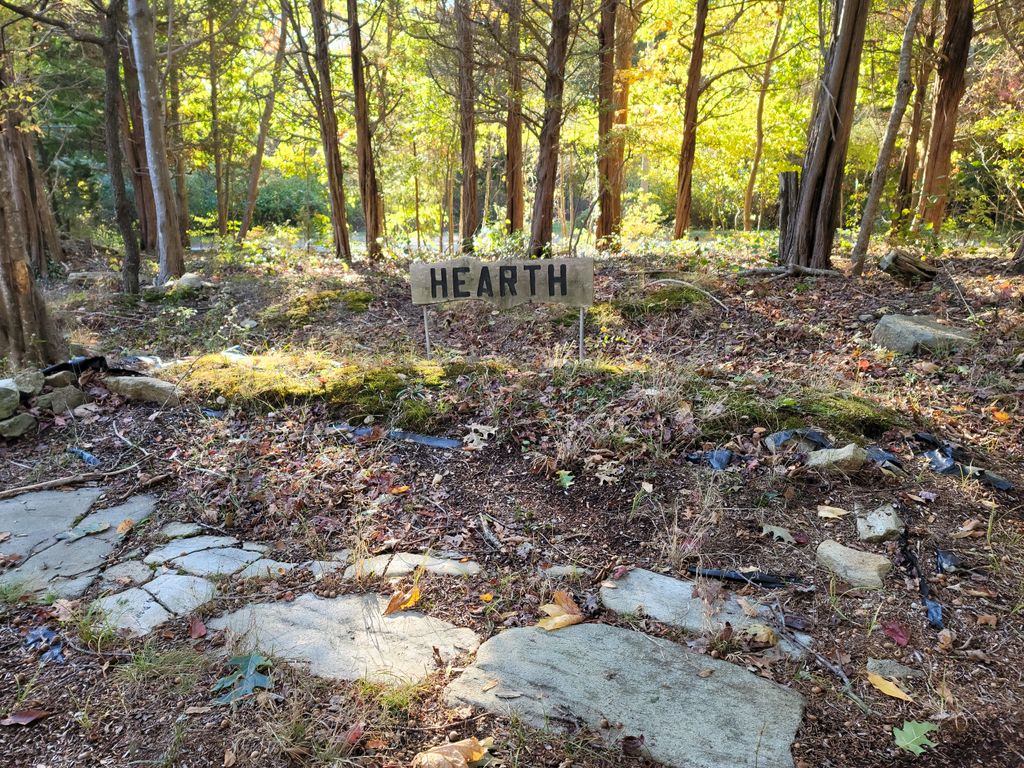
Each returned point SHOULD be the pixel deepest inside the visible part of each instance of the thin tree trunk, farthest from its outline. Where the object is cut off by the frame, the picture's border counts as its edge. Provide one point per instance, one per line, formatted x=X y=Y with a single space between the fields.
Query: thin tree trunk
x=469 y=211
x=812 y=228
x=627 y=20
x=515 y=184
x=135 y=151
x=369 y=191
x=762 y=95
x=256 y=165
x=172 y=257
x=605 y=121
x=451 y=206
x=903 y=200
x=178 y=151
x=547 y=156
x=956 y=44
x=899 y=107
x=216 y=148
x=115 y=158
x=684 y=178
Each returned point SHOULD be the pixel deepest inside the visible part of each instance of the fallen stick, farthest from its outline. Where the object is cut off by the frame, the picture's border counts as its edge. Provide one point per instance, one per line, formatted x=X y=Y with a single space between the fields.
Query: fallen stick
x=63 y=481
x=789 y=271
x=691 y=286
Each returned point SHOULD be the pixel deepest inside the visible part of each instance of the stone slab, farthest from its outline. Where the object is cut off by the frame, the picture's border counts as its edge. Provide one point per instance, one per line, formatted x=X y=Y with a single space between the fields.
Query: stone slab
x=880 y=524
x=693 y=711
x=855 y=567
x=144 y=389
x=65 y=569
x=176 y=530
x=181 y=595
x=907 y=334
x=127 y=574
x=849 y=458
x=265 y=568
x=134 y=610
x=181 y=547
x=137 y=509
x=348 y=637
x=404 y=563
x=215 y=562
x=36 y=518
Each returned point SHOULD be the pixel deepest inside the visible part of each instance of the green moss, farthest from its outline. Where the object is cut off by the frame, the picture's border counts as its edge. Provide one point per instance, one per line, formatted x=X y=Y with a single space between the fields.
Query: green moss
x=357 y=301
x=844 y=414
x=660 y=302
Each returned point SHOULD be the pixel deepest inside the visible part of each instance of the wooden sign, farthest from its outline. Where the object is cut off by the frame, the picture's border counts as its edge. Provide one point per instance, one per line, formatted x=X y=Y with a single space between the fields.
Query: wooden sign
x=505 y=283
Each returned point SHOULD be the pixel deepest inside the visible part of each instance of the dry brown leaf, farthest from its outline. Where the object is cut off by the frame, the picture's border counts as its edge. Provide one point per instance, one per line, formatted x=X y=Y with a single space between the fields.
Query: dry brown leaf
x=456 y=755
x=403 y=599
x=125 y=525
x=229 y=758
x=946 y=638
x=888 y=687
x=831 y=513
x=987 y=619
x=560 y=614
x=64 y=610
x=748 y=609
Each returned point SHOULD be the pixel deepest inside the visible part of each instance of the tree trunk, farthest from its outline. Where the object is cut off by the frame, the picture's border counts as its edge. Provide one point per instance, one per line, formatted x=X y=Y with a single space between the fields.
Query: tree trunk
x=903 y=200
x=369 y=192
x=172 y=257
x=605 y=121
x=903 y=88
x=256 y=165
x=135 y=152
x=329 y=131
x=762 y=95
x=469 y=209
x=906 y=266
x=551 y=127
x=1017 y=265
x=178 y=151
x=115 y=159
x=789 y=194
x=515 y=184
x=956 y=44
x=811 y=229
x=684 y=178
x=627 y=20
x=216 y=148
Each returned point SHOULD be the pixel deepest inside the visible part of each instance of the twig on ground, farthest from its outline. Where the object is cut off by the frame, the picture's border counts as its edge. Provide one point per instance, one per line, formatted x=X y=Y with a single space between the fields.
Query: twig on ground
x=60 y=482
x=789 y=271
x=691 y=286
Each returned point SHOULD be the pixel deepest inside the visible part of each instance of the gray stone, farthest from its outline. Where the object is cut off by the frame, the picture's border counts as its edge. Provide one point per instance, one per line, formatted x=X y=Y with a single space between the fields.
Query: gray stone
x=136 y=509
x=34 y=519
x=29 y=382
x=563 y=572
x=143 y=389
x=61 y=400
x=134 y=610
x=66 y=568
x=181 y=595
x=17 y=425
x=404 y=563
x=321 y=568
x=127 y=574
x=180 y=547
x=265 y=568
x=892 y=669
x=189 y=281
x=349 y=638
x=176 y=530
x=10 y=398
x=693 y=711
x=61 y=379
x=907 y=334
x=849 y=458
x=856 y=568
x=254 y=546
x=109 y=279
x=215 y=562
x=880 y=524
x=673 y=602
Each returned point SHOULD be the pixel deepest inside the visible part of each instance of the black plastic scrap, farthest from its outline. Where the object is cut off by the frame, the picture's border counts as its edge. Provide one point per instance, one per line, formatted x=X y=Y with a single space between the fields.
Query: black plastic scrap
x=950 y=459
x=885 y=459
x=948 y=562
x=46 y=638
x=85 y=456
x=445 y=443
x=747 y=577
x=81 y=364
x=914 y=568
x=810 y=434
x=718 y=459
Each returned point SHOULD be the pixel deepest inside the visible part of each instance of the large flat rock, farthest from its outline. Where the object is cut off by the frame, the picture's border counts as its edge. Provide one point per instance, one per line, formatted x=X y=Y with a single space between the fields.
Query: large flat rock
x=134 y=610
x=215 y=562
x=907 y=334
x=33 y=519
x=180 y=547
x=349 y=638
x=693 y=711
x=404 y=563
x=673 y=602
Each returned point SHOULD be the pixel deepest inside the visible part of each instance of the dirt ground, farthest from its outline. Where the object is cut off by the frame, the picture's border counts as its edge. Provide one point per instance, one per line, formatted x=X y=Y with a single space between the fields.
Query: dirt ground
x=594 y=464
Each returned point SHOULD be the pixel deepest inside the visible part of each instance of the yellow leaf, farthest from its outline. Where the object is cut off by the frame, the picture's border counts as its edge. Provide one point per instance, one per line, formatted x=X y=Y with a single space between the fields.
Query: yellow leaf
x=888 y=687
x=1001 y=416
x=125 y=526
x=403 y=599
x=560 y=614
x=486 y=597
x=831 y=513
x=457 y=755
x=398 y=490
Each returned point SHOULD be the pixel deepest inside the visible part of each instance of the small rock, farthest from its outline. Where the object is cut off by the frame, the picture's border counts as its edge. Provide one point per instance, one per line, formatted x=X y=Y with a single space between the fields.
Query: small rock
x=881 y=524
x=61 y=379
x=856 y=568
x=61 y=400
x=907 y=334
x=866 y=318
x=128 y=574
x=404 y=563
x=29 y=382
x=134 y=610
x=849 y=458
x=143 y=389
x=181 y=594
x=18 y=425
x=190 y=281
x=10 y=397
x=176 y=530
x=563 y=572
x=892 y=669
x=248 y=324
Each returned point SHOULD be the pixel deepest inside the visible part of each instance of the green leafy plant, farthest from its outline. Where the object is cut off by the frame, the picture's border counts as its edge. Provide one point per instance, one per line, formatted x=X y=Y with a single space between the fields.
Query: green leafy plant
x=244 y=680
x=913 y=736
x=565 y=479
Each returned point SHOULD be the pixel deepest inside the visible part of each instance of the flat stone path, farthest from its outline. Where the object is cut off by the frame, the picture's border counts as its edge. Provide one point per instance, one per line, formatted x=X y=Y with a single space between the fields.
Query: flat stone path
x=693 y=711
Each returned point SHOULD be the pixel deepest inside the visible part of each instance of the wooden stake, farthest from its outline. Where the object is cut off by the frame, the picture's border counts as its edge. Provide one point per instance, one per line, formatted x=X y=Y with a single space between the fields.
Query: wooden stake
x=581 y=333
x=426 y=332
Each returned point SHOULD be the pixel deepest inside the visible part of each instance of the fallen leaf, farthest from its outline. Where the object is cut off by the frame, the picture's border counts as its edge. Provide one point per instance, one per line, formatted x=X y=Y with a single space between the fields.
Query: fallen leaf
x=486 y=597
x=125 y=525
x=562 y=613
x=888 y=687
x=759 y=635
x=946 y=638
x=647 y=488
x=987 y=619
x=1001 y=416
x=64 y=610
x=490 y=685
x=778 y=533
x=229 y=758
x=831 y=513
x=354 y=735
x=913 y=736
x=456 y=755
x=706 y=673
x=376 y=743
x=24 y=717
x=398 y=490
x=4 y=536
x=896 y=632
x=198 y=710
x=403 y=599
x=196 y=628
x=747 y=608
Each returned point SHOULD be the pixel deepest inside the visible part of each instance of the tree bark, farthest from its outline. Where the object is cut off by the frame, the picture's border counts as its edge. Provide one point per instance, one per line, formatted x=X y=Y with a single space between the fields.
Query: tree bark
x=684 y=177
x=789 y=194
x=551 y=127
x=177 y=149
x=469 y=207
x=172 y=257
x=216 y=146
x=627 y=20
x=762 y=95
x=135 y=152
x=369 y=191
x=899 y=107
x=256 y=165
x=605 y=121
x=115 y=158
x=956 y=44
x=811 y=229
x=515 y=184
x=903 y=199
